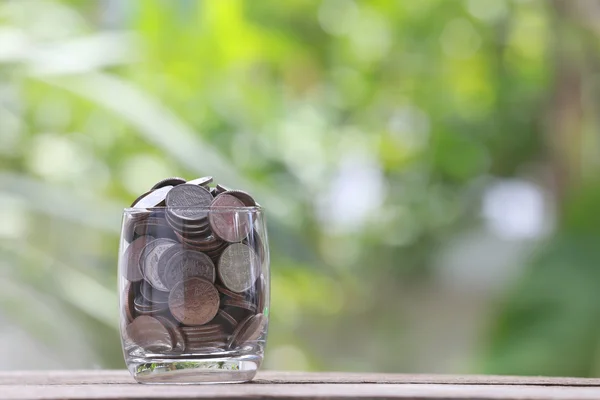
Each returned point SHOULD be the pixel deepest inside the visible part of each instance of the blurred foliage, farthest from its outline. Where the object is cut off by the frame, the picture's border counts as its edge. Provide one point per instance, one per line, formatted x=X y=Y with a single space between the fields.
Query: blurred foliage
x=369 y=130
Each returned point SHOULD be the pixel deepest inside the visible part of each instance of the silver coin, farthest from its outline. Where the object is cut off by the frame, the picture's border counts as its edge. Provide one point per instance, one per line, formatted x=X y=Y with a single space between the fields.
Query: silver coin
x=153 y=295
x=169 y=182
x=150 y=257
x=188 y=264
x=188 y=202
x=239 y=267
x=205 y=180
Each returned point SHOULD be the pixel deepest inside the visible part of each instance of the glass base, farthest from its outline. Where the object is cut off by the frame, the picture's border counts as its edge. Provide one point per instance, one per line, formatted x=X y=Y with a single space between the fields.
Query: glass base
x=194 y=370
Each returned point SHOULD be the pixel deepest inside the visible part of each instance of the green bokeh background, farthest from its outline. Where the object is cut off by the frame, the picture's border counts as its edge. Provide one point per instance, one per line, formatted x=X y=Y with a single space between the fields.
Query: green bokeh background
x=430 y=171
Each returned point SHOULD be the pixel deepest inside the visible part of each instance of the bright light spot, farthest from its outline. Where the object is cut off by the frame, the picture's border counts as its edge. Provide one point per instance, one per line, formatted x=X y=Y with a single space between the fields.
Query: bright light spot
x=515 y=209
x=34 y=17
x=57 y=158
x=141 y=172
x=84 y=54
x=357 y=191
x=527 y=38
x=287 y=357
x=371 y=38
x=338 y=17
x=487 y=10
x=301 y=145
x=460 y=39
x=14 y=44
x=477 y=260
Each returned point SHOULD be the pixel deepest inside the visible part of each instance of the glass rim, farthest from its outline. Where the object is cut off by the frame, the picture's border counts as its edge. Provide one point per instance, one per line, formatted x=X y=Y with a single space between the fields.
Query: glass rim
x=246 y=209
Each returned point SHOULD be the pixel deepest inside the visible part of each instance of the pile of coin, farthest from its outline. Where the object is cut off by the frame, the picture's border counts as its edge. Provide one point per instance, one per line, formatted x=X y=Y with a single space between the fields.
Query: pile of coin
x=193 y=266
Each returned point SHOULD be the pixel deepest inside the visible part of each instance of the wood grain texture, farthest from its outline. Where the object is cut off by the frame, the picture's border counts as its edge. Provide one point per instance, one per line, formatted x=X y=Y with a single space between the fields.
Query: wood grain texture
x=293 y=385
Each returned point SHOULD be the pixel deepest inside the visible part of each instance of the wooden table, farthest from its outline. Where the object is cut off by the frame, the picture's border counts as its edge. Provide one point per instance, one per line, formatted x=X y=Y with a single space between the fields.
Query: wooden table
x=296 y=385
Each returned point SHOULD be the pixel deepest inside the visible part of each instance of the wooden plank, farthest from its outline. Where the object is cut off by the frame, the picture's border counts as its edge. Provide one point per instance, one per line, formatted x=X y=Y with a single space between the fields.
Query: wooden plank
x=287 y=385
x=336 y=377
x=111 y=377
x=299 y=391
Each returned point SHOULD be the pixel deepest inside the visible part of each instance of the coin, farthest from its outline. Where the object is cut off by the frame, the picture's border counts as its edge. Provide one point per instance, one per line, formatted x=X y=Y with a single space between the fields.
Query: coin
x=188 y=202
x=225 y=221
x=153 y=198
x=237 y=330
x=243 y=197
x=194 y=301
x=207 y=243
x=201 y=335
x=128 y=301
x=132 y=271
x=186 y=226
x=248 y=330
x=168 y=182
x=253 y=240
x=225 y=316
x=240 y=304
x=148 y=332
x=203 y=330
x=239 y=314
x=164 y=259
x=229 y=293
x=149 y=260
x=217 y=345
x=144 y=307
x=220 y=189
x=155 y=226
x=178 y=339
x=261 y=294
x=128 y=230
x=205 y=180
x=153 y=295
x=187 y=264
x=192 y=341
x=216 y=253
x=239 y=266
x=211 y=251
x=199 y=328
x=252 y=329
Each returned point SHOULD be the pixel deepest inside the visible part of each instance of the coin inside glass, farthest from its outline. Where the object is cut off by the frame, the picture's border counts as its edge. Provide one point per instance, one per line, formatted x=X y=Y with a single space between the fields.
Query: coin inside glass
x=153 y=198
x=194 y=301
x=188 y=202
x=239 y=267
x=186 y=264
x=150 y=334
x=225 y=221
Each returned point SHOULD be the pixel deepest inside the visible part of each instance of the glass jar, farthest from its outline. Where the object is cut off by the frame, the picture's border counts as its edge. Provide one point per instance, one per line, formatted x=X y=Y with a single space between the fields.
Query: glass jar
x=194 y=293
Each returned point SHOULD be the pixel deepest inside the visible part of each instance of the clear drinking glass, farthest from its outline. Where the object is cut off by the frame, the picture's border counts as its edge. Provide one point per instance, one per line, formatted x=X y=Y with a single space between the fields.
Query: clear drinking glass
x=194 y=293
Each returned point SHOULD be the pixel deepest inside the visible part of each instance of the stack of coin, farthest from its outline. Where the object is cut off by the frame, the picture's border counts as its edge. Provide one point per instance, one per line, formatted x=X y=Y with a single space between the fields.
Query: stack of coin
x=193 y=269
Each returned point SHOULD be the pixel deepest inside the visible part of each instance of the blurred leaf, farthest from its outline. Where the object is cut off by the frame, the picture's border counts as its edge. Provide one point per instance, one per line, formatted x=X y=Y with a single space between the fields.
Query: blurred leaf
x=162 y=127
x=550 y=325
x=63 y=202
